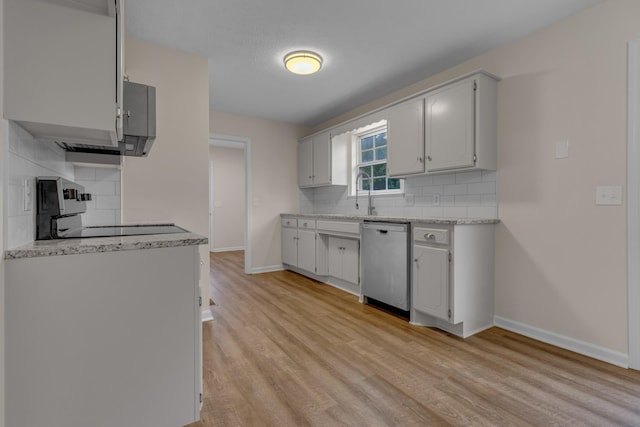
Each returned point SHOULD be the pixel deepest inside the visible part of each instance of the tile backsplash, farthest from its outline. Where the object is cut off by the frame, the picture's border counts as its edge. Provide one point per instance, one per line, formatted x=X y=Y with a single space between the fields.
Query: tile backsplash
x=28 y=158
x=455 y=195
x=104 y=186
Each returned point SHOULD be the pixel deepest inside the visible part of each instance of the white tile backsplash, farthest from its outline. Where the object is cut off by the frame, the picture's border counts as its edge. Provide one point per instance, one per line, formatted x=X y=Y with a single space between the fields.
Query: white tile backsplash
x=461 y=195
x=104 y=186
x=28 y=158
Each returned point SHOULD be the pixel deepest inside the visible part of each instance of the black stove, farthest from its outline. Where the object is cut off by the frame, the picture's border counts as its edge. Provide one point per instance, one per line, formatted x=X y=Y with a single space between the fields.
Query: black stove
x=59 y=205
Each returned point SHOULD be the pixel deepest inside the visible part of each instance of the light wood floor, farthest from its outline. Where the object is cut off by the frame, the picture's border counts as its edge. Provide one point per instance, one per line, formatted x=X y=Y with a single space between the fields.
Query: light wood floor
x=284 y=350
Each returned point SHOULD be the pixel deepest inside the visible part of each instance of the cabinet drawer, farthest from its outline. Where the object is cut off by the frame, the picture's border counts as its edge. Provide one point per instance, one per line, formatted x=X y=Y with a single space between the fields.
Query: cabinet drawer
x=307 y=223
x=289 y=222
x=431 y=235
x=339 y=227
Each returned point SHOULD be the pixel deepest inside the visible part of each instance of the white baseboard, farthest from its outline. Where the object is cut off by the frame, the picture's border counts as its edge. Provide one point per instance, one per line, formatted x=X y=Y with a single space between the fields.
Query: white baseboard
x=229 y=249
x=267 y=269
x=206 y=315
x=595 y=351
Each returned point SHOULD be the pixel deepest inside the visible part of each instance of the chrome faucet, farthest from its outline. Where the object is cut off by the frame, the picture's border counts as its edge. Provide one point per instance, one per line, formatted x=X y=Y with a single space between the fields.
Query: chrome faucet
x=370 y=208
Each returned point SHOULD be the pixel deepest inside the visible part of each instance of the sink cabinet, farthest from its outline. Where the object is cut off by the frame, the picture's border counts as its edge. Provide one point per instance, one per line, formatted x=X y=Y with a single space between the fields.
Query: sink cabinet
x=453 y=277
x=344 y=259
x=63 y=69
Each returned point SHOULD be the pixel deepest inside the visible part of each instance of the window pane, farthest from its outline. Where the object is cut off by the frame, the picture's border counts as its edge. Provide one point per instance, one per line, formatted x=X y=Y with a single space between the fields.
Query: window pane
x=379 y=184
x=366 y=143
x=381 y=153
x=380 y=170
x=394 y=184
x=381 y=139
x=367 y=156
x=363 y=182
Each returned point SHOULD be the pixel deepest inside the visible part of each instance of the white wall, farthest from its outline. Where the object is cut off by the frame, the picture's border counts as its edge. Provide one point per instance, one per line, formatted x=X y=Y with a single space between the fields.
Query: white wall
x=228 y=198
x=172 y=183
x=560 y=259
x=274 y=178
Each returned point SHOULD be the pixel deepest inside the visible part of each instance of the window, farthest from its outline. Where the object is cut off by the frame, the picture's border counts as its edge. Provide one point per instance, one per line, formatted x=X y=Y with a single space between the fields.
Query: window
x=371 y=158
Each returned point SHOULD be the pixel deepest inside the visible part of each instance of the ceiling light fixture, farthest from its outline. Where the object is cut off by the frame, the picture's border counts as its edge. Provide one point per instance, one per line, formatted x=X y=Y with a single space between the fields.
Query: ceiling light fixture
x=302 y=62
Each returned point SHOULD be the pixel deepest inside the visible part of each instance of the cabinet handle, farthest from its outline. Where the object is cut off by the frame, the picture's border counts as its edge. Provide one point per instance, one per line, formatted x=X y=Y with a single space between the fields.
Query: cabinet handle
x=430 y=236
x=304 y=225
x=420 y=159
x=415 y=260
x=429 y=158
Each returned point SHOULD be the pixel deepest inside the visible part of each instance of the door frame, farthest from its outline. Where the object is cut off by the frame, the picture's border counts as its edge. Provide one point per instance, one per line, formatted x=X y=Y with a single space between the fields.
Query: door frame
x=633 y=204
x=218 y=140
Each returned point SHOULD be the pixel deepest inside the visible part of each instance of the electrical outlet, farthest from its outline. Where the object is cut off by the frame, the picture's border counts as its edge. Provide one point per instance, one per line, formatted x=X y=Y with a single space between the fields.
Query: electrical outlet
x=435 y=200
x=562 y=149
x=610 y=195
x=409 y=199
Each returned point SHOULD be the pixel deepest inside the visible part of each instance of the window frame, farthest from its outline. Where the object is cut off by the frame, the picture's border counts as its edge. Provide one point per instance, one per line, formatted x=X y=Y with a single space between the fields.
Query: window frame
x=357 y=157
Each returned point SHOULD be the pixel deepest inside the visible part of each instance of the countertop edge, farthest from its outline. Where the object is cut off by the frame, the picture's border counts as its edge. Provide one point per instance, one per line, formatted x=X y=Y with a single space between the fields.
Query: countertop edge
x=445 y=221
x=44 y=248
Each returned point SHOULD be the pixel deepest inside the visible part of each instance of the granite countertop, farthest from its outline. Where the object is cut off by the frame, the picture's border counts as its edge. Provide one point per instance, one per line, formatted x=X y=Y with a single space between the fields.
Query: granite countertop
x=42 y=248
x=403 y=220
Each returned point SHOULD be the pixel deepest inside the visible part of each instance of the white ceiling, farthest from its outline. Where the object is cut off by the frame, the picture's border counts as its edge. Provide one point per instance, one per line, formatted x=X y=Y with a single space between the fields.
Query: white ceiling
x=370 y=47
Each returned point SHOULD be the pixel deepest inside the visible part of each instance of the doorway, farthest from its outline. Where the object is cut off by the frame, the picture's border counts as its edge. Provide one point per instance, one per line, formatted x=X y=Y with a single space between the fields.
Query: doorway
x=229 y=184
x=633 y=197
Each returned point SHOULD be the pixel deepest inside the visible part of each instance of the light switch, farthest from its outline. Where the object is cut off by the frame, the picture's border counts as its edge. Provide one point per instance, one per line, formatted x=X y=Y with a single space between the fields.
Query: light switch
x=610 y=195
x=27 y=191
x=562 y=149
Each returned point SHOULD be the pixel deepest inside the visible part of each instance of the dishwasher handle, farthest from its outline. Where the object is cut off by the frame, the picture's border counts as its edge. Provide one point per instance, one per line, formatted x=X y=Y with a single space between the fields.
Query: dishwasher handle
x=385 y=227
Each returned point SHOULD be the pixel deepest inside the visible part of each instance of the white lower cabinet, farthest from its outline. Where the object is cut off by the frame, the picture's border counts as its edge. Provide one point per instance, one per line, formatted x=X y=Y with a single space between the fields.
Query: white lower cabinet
x=453 y=277
x=431 y=279
x=103 y=339
x=344 y=259
x=307 y=250
x=290 y=246
x=299 y=243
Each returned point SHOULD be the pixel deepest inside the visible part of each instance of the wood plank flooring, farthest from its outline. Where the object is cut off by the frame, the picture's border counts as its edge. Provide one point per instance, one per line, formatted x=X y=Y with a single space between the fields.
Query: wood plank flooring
x=285 y=350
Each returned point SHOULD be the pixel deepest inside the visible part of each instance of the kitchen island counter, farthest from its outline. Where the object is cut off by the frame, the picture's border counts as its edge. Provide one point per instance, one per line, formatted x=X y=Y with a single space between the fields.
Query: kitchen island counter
x=43 y=248
x=347 y=217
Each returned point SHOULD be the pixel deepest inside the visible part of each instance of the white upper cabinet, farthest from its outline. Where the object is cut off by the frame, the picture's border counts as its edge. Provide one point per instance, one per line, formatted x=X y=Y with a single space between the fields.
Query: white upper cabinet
x=405 y=138
x=305 y=163
x=322 y=160
x=63 y=68
x=460 y=125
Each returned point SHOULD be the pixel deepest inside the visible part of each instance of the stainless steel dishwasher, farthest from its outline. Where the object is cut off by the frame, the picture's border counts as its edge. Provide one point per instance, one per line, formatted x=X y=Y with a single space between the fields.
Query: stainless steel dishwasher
x=385 y=263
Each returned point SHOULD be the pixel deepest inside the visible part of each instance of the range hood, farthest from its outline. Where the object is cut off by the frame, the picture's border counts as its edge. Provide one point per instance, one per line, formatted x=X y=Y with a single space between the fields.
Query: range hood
x=139 y=127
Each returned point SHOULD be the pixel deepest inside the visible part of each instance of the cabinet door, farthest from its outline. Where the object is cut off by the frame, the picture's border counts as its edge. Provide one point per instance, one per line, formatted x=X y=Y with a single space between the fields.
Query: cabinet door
x=450 y=127
x=405 y=136
x=307 y=250
x=305 y=163
x=431 y=281
x=322 y=159
x=45 y=47
x=335 y=257
x=351 y=260
x=290 y=246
